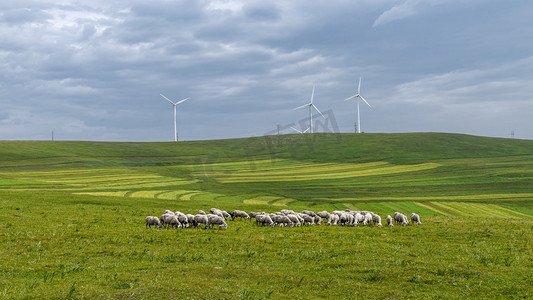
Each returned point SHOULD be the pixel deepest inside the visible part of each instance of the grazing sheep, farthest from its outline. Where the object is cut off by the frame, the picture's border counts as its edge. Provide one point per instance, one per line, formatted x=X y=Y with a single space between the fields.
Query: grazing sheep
x=307 y=219
x=201 y=212
x=183 y=219
x=338 y=212
x=151 y=220
x=415 y=218
x=376 y=220
x=318 y=220
x=404 y=222
x=295 y=220
x=309 y=213
x=333 y=219
x=282 y=220
x=358 y=219
x=190 y=220
x=264 y=219
x=287 y=211
x=227 y=215
x=173 y=221
x=253 y=214
x=165 y=218
x=323 y=214
x=218 y=212
x=241 y=214
x=201 y=219
x=367 y=218
x=213 y=219
x=389 y=221
x=346 y=219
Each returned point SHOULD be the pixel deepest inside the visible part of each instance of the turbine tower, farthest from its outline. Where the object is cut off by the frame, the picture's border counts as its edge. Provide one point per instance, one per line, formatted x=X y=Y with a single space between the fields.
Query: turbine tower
x=358 y=96
x=174 y=105
x=311 y=106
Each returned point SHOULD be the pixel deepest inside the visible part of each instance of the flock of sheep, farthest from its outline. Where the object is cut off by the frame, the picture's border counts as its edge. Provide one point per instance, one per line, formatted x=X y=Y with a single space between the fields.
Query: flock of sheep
x=282 y=218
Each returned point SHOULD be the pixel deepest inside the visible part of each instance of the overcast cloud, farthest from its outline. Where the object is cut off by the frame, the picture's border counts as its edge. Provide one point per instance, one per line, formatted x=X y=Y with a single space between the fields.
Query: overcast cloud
x=93 y=70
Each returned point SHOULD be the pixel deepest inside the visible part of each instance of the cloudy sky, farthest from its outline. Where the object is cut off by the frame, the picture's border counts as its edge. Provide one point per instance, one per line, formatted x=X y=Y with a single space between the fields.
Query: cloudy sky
x=93 y=70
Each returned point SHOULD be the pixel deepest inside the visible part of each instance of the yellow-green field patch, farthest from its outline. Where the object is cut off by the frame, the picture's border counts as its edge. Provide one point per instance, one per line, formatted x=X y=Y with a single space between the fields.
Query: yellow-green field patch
x=333 y=175
x=263 y=200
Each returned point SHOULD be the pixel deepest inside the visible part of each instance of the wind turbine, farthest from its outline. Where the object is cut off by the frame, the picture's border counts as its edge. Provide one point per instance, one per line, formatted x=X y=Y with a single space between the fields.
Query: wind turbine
x=174 y=105
x=311 y=106
x=358 y=96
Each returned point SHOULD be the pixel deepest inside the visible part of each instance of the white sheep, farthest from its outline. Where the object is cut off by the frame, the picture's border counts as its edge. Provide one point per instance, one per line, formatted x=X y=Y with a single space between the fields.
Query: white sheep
x=376 y=220
x=295 y=219
x=358 y=219
x=389 y=221
x=367 y=218
x=307 y=219
x=333 y=219
x=309 y=213
x=415 y=218
x=241 y=214
x=190 y=220
x=282 y=220
x=264 y=219
x=151 y=220
x=346 y=219
x=213 y=219
x=173 y=221
x=323 y=214
x=201 y=219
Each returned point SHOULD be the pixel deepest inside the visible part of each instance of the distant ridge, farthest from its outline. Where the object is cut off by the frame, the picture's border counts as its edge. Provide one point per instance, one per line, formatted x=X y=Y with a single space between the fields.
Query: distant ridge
x=320 y=147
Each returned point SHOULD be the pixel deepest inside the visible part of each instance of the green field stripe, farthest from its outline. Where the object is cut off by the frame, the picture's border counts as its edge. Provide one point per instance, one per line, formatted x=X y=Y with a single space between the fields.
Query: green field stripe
x=446 y=207
x=471 y=210
x=358 y=173
x=510 y=211
x=143 y=194
x=109 y=194
x=310 y=170
x=350 y=206
x=174 y=195
x=432 y=208
x=188 y=196
x=264 y=200
x=282 y=202
x=484 y=209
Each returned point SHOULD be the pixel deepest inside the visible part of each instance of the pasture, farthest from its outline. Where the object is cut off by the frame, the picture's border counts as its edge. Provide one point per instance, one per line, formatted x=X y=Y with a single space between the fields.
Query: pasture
x=74 y=218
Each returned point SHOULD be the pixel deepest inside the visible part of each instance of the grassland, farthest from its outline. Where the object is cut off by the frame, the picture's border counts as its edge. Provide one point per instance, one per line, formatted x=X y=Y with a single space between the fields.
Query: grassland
x=73 y=218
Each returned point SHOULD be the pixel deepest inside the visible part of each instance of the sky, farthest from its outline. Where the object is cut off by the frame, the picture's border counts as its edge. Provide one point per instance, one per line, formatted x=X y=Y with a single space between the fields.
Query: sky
x=94 y=70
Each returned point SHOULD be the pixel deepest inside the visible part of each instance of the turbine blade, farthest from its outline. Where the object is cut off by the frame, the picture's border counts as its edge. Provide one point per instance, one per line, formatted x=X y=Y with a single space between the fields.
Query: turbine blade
x=296 y=130
x=167 y=99
x=365 y=101
x=318 y=110
x=181 y=101
x=359 y=88
x=313 y=94
x=302 y=106
x=306 y=130
x=352 y=97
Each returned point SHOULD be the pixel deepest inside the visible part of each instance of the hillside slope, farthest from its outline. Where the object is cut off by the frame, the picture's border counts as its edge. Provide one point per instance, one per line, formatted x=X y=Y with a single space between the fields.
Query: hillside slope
x=394 y=148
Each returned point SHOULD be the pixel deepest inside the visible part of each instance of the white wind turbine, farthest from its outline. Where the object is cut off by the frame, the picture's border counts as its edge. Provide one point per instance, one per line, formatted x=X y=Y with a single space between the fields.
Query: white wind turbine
x=174 y=105
x=311 y=106
x=358 y=95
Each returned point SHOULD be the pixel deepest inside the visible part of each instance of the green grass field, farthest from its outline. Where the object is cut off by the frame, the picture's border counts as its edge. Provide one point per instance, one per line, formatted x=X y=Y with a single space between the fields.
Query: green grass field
x=73 y=218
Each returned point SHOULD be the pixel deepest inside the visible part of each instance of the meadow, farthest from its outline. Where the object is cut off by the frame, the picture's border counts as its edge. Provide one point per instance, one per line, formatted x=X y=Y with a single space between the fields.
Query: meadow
x=73 y=218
